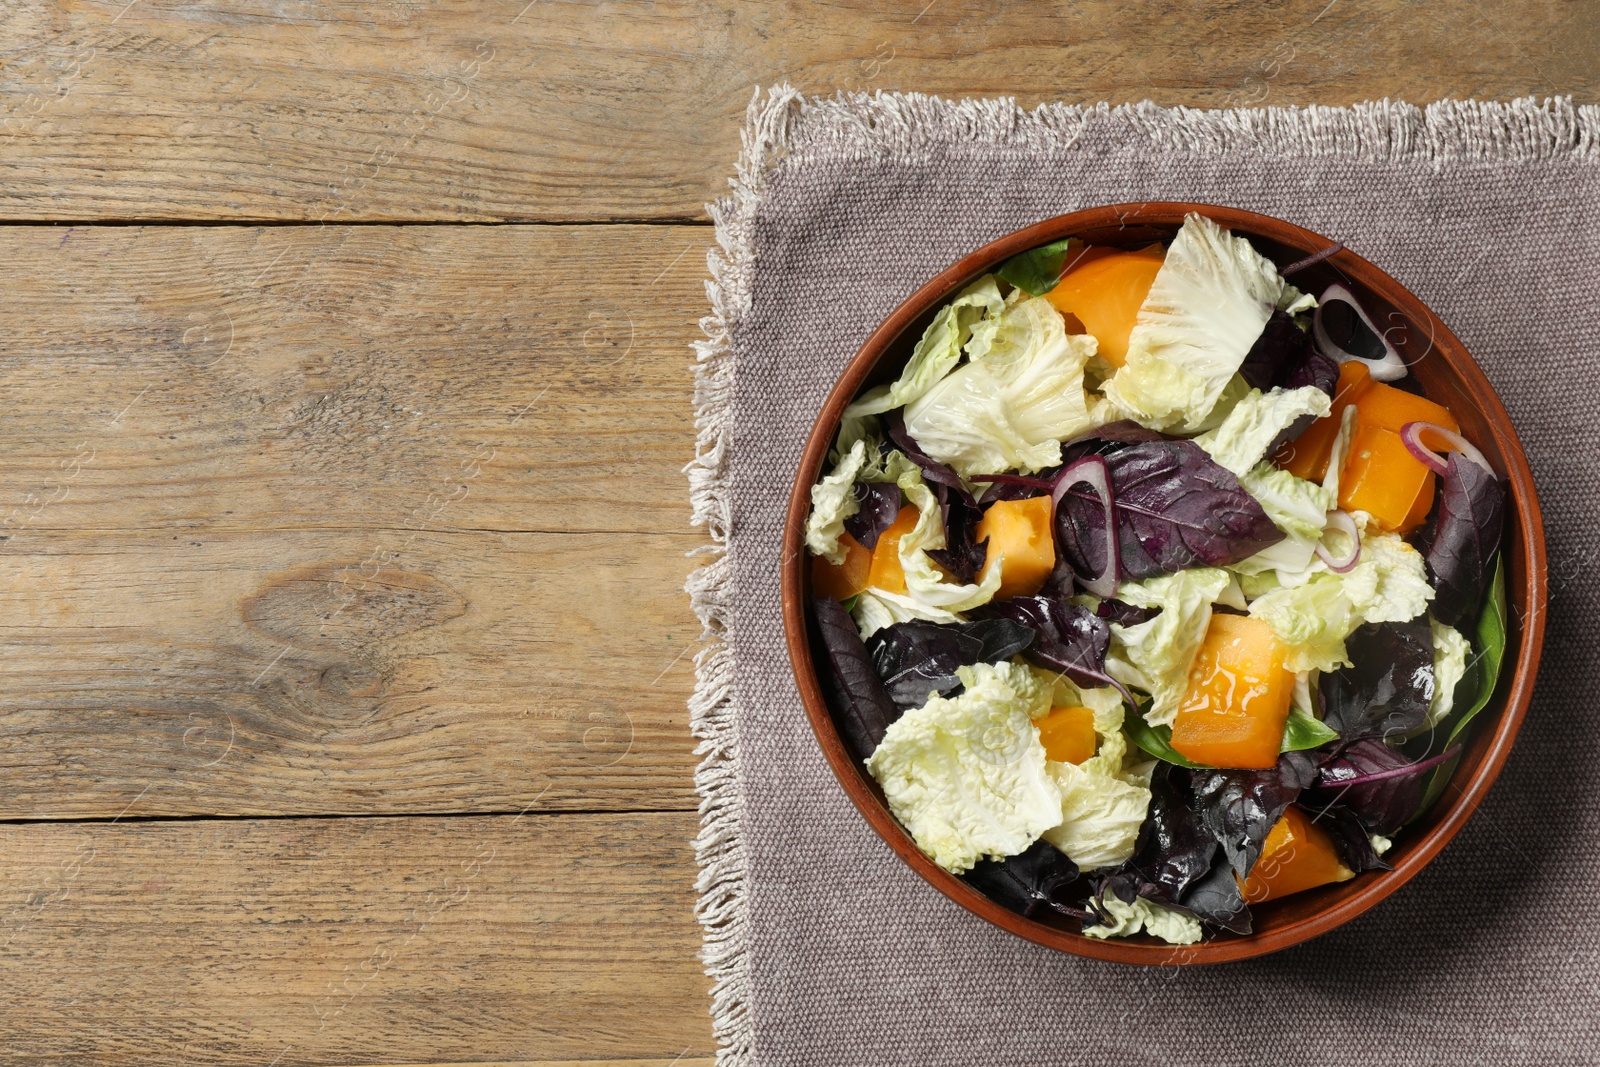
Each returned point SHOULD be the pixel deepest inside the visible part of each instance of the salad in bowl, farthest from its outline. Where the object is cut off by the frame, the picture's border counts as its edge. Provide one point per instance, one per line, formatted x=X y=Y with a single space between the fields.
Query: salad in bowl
x=1153 y=588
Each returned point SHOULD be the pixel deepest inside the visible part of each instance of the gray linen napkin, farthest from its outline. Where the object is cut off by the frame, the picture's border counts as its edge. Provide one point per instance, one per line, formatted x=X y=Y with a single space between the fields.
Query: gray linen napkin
x=825 y=948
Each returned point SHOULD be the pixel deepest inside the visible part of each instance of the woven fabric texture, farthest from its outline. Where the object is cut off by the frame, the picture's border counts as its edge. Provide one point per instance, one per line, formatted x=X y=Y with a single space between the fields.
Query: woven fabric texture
x=826 y=950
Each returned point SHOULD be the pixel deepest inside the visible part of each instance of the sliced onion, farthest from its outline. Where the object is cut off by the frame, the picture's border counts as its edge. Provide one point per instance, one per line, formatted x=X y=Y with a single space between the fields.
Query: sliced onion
x=1342 y=521
x=1390 y=368
x=1092 y=471
x=1411 y=435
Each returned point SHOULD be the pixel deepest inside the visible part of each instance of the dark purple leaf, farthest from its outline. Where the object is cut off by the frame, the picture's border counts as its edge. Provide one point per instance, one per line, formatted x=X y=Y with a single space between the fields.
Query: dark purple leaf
x=1387 y=690
x=1176 y=508
x=877 y=504
x=1239 y=807
x=1461 y=538
x=1124 y=614
x=1218 y=900
x=963 y=556
x=861 y=708
x=1280 y=349
x=1349 y=837
x=1104 y=440
x=1123 y=431
x=1175 y=861
x=1062 y=584
x=917 y=659
x=1174 y=850
x=1380 y=785
x=1318 y=370
x=1283 y=357
x=940 y=476
x=1067 y=637
x=1016 y=486
x=1037 y=878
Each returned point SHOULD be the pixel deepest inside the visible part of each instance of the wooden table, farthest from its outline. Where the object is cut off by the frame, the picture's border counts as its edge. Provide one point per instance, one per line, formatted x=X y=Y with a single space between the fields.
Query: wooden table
x=344 y=396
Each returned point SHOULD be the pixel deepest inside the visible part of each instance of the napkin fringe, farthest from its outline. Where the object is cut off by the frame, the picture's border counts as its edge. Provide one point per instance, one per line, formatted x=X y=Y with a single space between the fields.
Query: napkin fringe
x=719 y=850
x=782 y=126
x=914 y=127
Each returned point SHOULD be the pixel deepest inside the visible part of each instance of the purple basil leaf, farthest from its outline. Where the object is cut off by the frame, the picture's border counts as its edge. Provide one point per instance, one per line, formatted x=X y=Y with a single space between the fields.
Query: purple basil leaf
x=1239 y=807
x=877 y=504
x=1123 y=613
x=1102 y=441
x=1350 y=838
x=1279 y=350
x=1017 y=486
x=861 y=708
x=1461 y=538
x=1174 y=850
x=1218 y=900
x=963 y=556
x=1029 y=881
x=1318 y=370
x=917 y=659
x=935 y=473
x=1381 y=786
x=1123 y=431
x=1176 y=507
x=1067 y=637
x=1284 y=357
x=1387 y=690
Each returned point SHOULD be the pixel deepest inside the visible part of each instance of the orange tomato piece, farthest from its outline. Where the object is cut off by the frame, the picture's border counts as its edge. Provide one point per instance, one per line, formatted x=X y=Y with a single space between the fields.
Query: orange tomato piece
x=886 y=572
x=1104 y=294
x=842 y=581
x=1067 y=734
x=1384 y=405
x=1237 y=701
x=1297 y=854
x=1383 y=478
x=1021 y=543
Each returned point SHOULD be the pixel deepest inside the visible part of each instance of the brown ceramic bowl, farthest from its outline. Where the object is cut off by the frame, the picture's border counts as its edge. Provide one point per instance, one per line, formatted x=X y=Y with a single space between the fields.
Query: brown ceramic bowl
x=1445 y=371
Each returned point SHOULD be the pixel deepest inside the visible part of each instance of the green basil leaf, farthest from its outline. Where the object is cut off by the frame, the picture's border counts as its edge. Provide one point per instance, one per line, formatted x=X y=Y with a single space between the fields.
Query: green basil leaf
x=1304 y=731
x=1490 y=646
x=1155 y=740
x=1037 y=270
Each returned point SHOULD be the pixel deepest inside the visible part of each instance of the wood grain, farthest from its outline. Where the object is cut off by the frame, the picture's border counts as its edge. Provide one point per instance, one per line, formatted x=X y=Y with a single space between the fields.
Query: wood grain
x=349 y=377
x=577 y=110
x=403 y=530
x=317 y=941
x=288 y=673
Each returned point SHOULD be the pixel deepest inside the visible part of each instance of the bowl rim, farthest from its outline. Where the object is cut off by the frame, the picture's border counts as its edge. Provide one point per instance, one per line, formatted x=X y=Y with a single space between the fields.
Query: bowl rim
x=1526 y=526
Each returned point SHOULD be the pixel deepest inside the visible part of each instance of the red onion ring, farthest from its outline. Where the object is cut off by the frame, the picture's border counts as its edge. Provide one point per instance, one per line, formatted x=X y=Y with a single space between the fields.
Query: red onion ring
x=1343 y=521
x=1411 y=436
x=1390 y=368
x=1092 y=471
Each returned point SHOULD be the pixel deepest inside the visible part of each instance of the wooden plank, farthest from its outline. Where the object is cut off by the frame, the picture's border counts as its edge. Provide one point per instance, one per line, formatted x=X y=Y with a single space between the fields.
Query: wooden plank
x=325 y=672
x=309 y=941
x=352 y=377
x=364 y=519
x=571 y=110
